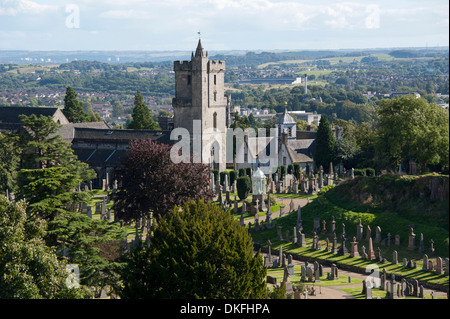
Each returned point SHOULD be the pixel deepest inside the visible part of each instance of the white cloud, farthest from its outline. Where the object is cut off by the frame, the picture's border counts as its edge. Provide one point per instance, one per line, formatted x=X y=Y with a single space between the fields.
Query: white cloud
x=16 y=7
x=125 y=14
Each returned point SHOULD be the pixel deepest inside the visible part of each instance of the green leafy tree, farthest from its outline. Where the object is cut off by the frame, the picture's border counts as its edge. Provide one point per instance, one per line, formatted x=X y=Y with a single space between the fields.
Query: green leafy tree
x=142 y=116
x=73 y=109
x=93 y=244
x=410 y=128
x=9 y=162
x=198 y=251
x=29 y=268
x=117 y=109
x=325 y=149
x=93 y=117
x=50 y=170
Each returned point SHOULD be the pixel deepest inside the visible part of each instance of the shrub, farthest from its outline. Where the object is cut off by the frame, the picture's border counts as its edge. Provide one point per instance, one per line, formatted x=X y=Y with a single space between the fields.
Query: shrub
x=233 y=176
x=244 y=186
x=222 y=178
x=242 y=172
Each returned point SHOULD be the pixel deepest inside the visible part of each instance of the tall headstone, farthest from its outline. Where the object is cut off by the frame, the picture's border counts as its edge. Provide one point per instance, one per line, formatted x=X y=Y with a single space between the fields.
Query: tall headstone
x=354 y=249
x=421 y=244
x=439 y=266
x=395 y=257
x=359 y=230
x=333 y=225
x=371 y=253
x=343 y=250
x=301 y=240
x=334 y=248
x=411 y=241
x=316 y=227
x=299 y=217
x=368 y=232
x=425 y=262
x=269 y=246
x=377 y=234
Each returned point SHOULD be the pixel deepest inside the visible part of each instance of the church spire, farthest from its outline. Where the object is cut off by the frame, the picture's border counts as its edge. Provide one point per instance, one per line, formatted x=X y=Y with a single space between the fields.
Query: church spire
x=199 y=51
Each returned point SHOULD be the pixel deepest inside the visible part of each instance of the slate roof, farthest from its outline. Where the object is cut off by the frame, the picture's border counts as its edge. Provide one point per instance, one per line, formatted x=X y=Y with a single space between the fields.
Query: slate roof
x=285 y=118
x=10 y=114
x=119 y=136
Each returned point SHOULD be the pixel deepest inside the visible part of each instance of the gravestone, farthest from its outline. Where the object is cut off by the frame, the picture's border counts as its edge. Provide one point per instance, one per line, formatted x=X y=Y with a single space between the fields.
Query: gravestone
x=281 y=211
x=290 y=268
x=315 y=241
x=294 y=237
x=412 y=236
x=368 y=294
x=395 y=257
x=371 y=253
x=269 y=245
x=432 y=250
x=359 y=230
x=299 y=216
x=303 y=273
x=377 y=234
x=324 y=229
x=389 y=239
x=425 y=262
x=271 y=280
x=421 y=294
x=343 y=250
x=301 y=240
x=333 y=225
x=354 y=248
x=291 y=206
x=310 y=274
x=334 y=248
x=397 y=240
x=279 y=236
x=316 y=227
x=439 y=266
x=368 y=232
x=421 y=244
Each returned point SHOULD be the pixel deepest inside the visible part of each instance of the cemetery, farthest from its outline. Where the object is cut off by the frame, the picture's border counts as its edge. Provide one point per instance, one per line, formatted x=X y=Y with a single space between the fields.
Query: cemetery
x=322 y=230
x=316 y=245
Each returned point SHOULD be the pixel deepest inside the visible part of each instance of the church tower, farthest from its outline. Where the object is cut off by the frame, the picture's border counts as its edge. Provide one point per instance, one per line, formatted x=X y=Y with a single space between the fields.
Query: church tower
x=200 y=104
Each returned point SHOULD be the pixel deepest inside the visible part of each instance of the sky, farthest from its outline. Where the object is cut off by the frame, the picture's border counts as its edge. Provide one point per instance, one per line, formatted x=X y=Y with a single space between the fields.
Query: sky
x=166 y=25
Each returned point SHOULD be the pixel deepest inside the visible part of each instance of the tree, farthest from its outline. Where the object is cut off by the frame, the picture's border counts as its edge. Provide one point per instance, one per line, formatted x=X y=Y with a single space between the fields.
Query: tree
x=325 y=149
x=117 y=109
x=243 y=185
x=197 y=251
x=9 y=162
x=152 y=183
x=73 y=109
x=29 y=269
x=142 y=116
x=42 y=147
x=50 y=171
x=410 y=128
x=93 y=244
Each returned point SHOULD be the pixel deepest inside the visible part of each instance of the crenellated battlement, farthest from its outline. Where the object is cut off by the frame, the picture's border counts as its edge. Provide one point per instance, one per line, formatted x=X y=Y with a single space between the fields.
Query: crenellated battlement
x=182 y=65
x=216 y=65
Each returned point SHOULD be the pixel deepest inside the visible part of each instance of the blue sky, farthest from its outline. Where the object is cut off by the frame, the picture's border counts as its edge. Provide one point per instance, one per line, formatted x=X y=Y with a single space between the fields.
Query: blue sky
x=224 y=24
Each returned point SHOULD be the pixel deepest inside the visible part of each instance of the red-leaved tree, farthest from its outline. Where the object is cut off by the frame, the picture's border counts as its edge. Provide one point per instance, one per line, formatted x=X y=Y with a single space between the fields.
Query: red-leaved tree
x=150 y=182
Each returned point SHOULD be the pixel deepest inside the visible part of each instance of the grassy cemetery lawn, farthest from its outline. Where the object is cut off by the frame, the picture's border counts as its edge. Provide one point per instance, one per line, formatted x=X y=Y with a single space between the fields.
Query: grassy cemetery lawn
x=388 y=222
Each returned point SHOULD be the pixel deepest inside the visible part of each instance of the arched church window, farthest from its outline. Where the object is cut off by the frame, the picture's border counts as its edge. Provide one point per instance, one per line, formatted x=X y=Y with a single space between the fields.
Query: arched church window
x=215 y=120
